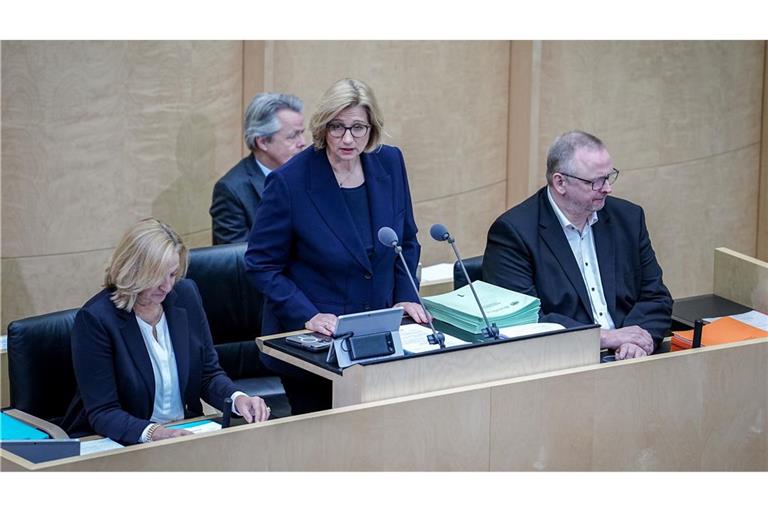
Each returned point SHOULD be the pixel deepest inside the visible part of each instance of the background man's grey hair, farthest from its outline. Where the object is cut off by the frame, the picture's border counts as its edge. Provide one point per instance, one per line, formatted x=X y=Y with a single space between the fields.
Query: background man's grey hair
x=562 y=150
x=260 y=120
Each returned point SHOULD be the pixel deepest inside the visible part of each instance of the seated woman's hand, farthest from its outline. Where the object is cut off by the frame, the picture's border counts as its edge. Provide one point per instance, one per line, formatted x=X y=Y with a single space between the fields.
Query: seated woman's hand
x=324 y=323
x=252 y=408
x=162 y=432
x=415 y=311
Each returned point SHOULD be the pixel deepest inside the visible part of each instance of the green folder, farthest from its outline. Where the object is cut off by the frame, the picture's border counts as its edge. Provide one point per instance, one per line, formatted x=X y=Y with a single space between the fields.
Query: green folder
x=503 y=307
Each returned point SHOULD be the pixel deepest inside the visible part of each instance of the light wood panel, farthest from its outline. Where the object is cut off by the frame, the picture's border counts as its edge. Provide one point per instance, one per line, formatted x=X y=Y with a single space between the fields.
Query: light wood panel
x=692 y=410
x=741 y=278
x=361 y=384
x=443 y=370
x=393 y=436
x=684 y=411
x=97 y=135
x=524 y=101
x=762 y=222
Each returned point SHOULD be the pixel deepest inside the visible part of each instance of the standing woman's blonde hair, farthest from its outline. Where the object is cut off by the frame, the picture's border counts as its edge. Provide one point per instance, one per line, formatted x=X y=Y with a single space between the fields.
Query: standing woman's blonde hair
x=346 y=93
x=141 y=259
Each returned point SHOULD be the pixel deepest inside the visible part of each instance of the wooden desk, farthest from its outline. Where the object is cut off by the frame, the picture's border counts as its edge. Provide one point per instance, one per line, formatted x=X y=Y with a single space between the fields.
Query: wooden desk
x=692 y=410
x=449 y=368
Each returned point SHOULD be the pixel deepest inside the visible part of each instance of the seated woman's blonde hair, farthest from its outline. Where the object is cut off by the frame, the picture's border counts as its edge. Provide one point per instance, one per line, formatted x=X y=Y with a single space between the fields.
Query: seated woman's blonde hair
x=347 y=93
x=141 y=259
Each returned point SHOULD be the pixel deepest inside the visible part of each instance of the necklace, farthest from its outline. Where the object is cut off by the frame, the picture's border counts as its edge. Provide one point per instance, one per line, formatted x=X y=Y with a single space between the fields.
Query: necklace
x=345 y=179
x=150 y=317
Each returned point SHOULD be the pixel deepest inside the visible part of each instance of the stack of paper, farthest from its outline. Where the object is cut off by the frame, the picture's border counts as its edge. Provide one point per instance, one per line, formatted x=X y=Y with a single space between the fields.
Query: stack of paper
x=722 y=330
x=414 y=339
x=502 y=307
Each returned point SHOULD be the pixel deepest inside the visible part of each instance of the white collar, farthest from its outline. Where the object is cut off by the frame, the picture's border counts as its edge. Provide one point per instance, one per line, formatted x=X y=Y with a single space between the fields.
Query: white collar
x=564 y=222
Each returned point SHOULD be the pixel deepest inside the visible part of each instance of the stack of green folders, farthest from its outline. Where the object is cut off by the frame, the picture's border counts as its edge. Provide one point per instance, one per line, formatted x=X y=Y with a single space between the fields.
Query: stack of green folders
x=502 y=307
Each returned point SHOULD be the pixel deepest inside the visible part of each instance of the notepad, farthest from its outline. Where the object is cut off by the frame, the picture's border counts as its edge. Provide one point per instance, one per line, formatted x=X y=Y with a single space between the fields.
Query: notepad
x=722 y=330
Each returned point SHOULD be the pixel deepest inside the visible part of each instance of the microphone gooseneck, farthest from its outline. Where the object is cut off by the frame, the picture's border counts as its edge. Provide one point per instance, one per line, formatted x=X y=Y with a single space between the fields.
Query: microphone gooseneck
x=388 y=237
x=441 y=234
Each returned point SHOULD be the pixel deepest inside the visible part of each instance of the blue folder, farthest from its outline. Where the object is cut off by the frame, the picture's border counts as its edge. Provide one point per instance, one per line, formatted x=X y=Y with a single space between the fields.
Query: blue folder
x=13 y=429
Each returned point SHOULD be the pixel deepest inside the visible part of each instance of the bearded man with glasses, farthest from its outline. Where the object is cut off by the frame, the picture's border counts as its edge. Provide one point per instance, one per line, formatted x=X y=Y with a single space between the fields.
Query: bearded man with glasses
x=585 y=255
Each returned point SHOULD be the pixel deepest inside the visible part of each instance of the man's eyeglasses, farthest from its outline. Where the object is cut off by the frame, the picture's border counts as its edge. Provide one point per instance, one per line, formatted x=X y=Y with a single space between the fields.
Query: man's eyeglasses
x=598 y=183
x=338 y=130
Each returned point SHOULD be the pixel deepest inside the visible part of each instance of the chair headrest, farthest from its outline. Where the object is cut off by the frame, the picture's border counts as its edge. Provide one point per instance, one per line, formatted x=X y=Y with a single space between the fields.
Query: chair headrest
x=474 y=269
x=231 y=303
x=42 y=379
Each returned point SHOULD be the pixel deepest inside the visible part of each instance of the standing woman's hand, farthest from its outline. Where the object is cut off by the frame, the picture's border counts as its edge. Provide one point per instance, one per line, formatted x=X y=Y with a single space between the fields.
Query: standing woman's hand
x=415 y=311
x=324 y=323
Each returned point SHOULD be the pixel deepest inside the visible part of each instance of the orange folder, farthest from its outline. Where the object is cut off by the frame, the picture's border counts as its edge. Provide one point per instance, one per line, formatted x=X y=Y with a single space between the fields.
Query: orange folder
x=722 y=330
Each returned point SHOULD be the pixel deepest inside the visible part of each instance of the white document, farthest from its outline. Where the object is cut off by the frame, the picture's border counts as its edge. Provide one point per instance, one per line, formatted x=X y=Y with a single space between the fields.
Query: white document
x=414 y=339
x=527 y=329
x=98 y=445
x=440 y=273
x=753 y=318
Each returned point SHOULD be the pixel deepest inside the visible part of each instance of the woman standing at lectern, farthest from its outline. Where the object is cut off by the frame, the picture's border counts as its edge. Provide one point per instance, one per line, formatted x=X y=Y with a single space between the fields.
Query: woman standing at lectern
x=313 y=250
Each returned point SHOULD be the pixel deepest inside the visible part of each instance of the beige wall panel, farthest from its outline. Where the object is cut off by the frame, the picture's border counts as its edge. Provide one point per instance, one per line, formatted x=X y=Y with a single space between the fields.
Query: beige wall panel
x=467 y=216
x=444 y=103
x=99 y=134
x=682 y=121
x=719 y=209
x=653 y=102
x=524 y=73
x=44 y=284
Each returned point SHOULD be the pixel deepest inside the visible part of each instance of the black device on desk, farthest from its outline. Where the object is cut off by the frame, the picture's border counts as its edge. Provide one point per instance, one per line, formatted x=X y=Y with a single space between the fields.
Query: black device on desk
x=371 y=345
x=310 y=342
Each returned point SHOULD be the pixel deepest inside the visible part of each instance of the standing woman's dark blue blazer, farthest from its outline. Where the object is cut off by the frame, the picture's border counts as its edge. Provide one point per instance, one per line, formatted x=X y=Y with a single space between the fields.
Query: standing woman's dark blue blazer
x=304 y=252
x=116 y=385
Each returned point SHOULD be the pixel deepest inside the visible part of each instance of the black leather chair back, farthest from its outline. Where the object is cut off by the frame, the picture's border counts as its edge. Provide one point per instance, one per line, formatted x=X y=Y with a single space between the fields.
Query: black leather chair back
x=40 y=371
x=233 y=307
x=231 y=303
x=474 y=269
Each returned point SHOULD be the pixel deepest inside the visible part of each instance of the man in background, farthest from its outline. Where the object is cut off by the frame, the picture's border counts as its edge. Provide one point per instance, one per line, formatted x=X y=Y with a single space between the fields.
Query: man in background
x=274 y=131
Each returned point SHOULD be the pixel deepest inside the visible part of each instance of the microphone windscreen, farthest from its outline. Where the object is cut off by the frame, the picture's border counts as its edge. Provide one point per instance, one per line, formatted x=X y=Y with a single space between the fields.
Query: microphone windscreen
x=439 y=232
x=387 y=236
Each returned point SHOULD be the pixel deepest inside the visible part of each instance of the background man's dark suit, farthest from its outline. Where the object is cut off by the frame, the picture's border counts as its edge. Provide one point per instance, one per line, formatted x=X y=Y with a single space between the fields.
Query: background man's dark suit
x=116 y=385
x=235 y=198
x=528 y=252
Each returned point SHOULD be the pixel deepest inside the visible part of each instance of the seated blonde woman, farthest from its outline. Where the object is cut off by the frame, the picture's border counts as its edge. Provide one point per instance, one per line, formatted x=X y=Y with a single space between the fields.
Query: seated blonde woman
x=142 y=350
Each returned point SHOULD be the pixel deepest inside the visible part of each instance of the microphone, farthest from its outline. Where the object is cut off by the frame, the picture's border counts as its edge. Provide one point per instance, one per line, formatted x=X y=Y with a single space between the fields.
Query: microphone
x=441 y=234
x=388 y=237
x=226 y=413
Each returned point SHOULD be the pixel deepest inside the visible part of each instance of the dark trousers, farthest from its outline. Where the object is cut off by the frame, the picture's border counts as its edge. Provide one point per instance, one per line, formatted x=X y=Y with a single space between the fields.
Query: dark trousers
x=306 y=391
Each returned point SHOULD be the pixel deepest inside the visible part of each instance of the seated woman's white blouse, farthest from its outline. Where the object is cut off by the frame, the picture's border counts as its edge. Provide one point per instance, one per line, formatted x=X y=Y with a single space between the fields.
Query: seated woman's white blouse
x=168 y=405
